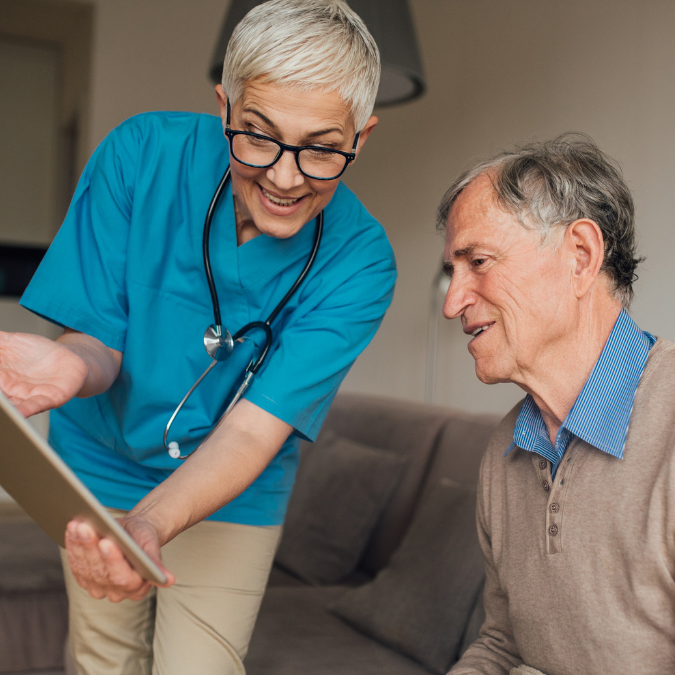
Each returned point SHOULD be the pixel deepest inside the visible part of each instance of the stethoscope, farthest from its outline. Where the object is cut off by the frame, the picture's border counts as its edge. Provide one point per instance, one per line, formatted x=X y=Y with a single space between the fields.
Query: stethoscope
x=218 y=342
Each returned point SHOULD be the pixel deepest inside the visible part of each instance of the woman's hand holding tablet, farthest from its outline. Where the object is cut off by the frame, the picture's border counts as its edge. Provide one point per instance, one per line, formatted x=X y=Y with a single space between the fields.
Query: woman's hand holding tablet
x=99 y=566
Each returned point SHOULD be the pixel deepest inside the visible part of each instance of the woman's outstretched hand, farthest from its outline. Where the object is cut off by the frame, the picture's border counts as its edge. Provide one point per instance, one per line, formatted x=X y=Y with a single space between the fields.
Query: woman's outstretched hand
x=100 y=567
x=37 y=373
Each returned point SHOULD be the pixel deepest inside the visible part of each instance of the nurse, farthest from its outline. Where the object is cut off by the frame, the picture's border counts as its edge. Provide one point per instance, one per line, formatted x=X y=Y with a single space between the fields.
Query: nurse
x=125 y=279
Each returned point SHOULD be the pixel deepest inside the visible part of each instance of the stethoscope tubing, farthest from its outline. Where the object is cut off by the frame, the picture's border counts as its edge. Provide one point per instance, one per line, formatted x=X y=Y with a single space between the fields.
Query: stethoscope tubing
x=205 y=246
x=182 y=403
x=265 y=326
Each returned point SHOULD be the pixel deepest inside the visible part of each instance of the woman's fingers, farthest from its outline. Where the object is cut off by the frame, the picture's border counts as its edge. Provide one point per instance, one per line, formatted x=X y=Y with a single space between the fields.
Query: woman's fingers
x=119 y=573
x=31 y=406
x=84 y=557
x=99 y=566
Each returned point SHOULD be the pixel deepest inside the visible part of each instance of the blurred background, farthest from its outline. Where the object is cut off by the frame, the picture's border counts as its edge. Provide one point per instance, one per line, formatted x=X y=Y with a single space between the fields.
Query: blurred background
x=497 y=73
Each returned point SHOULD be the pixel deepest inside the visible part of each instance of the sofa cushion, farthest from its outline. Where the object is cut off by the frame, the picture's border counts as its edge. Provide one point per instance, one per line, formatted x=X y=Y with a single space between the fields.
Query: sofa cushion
x=420 y=604
x=406 y=429
x=33 y=629
x=341 y=490
x=279 y=577
x=33 y=604
x=295 y=635
x=29 y=559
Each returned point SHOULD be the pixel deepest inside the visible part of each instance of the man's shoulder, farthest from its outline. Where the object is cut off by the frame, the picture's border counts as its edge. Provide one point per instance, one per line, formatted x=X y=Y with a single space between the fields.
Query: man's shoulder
x=663 y=352
x=655 y=395
x=659 y=372
x=501 y=438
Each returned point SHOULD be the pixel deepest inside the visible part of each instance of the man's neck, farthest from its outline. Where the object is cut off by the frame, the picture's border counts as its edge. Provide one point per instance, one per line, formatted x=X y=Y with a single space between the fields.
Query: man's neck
x=571 y=365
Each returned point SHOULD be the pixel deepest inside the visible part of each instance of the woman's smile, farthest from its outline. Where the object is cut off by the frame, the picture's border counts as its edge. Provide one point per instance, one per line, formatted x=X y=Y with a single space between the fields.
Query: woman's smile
x=278 y=205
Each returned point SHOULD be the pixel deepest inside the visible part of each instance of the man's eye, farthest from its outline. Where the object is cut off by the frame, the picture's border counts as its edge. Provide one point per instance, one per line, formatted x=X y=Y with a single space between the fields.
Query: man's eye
x=477 y=262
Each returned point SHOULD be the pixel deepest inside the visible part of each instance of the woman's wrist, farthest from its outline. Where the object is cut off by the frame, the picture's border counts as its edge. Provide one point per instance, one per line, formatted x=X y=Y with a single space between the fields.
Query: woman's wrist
x=162 y=514
x=102 y=363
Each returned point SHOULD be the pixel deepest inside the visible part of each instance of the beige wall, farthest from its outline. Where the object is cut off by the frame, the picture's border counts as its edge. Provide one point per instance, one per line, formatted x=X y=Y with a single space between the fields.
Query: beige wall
x=28 y=142
x=498 y=73
x=151 y=55
x=501 y=73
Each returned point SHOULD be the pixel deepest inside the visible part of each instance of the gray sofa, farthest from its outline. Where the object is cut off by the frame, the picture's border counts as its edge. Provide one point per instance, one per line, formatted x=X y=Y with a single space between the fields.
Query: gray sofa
x=302 y=628
x=419 y=554
x=33 y=604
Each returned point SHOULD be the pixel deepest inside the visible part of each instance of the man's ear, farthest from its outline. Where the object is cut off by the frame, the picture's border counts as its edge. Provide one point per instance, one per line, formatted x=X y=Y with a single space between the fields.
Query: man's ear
x=585 y=243
x=222 y=101
x=366 y=131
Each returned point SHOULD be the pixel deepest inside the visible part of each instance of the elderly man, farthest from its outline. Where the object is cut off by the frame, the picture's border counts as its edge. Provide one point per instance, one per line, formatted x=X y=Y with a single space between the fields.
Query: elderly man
x=576 y=502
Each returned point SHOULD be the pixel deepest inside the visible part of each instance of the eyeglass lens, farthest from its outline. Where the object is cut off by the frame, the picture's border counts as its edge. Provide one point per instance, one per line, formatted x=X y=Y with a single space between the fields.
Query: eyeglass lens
x=263 y=152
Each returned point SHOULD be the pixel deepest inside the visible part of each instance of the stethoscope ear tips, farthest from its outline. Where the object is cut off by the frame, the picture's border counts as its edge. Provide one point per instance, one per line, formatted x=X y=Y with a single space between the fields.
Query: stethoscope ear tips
x=174 y=450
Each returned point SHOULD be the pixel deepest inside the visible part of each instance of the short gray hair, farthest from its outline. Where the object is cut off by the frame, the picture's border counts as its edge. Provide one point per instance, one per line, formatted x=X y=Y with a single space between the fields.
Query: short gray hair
x=310 y=44
x=548 y=185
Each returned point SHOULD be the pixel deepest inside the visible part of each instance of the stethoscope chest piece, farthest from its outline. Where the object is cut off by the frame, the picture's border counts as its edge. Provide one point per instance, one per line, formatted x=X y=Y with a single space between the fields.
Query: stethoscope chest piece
x=218 y=342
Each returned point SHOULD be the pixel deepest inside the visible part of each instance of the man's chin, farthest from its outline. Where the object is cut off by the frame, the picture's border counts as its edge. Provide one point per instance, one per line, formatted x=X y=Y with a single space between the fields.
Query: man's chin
x=488 y=374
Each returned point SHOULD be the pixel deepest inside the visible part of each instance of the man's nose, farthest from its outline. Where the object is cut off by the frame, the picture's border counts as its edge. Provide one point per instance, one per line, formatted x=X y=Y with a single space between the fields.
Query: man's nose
x=458 y=297
x=284 y=173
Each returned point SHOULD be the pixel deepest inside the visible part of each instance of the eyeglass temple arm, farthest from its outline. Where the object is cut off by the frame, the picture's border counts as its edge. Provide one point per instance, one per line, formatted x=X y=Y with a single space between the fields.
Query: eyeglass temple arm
x=356 y=142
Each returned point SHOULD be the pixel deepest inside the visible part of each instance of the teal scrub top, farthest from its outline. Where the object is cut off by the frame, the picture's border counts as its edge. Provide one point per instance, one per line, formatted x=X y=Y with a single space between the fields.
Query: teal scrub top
x=126 y=267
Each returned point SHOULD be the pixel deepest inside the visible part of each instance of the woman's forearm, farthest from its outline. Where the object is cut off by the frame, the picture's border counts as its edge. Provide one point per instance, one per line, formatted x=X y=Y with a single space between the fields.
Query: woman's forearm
x=103 y=363
x=224 y=465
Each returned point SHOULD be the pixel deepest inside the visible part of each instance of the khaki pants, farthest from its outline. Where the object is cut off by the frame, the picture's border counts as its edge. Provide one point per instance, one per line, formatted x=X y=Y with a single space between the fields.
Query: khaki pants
x=202 y=624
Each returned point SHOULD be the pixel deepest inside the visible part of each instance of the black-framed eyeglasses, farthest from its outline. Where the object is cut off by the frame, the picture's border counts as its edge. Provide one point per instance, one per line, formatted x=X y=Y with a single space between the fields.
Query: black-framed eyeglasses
x=262 y=152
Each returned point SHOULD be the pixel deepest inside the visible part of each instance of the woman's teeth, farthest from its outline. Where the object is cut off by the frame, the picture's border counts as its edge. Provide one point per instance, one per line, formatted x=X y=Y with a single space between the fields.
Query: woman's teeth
x=276 y=200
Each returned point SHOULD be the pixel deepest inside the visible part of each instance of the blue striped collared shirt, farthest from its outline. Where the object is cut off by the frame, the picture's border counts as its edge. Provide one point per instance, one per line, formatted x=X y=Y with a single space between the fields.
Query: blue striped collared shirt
x=601 y=413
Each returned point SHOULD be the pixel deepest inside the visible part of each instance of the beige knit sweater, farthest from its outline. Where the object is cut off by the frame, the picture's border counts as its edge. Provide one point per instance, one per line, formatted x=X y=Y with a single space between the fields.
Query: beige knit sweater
x=581 y=572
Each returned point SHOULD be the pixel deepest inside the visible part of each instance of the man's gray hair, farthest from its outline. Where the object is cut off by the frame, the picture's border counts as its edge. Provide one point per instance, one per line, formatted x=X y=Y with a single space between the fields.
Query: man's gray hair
x=548 y=185
x=310 y=44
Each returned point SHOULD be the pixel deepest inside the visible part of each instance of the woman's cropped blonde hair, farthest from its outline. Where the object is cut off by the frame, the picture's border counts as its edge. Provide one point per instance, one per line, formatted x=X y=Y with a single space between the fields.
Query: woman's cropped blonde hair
x=309 y=44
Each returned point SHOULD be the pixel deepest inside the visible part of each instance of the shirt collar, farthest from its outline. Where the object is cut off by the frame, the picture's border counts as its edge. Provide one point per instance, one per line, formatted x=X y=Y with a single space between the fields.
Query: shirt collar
x=601 y=413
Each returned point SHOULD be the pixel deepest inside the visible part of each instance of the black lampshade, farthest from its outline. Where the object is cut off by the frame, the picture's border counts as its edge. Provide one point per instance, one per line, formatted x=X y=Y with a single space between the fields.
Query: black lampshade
x=389 y=22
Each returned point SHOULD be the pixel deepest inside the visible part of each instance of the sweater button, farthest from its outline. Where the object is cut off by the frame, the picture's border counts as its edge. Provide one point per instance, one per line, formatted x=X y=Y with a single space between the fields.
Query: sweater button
x=542 y=463
x=545 y=485
x=554 y=508
x=553 y=530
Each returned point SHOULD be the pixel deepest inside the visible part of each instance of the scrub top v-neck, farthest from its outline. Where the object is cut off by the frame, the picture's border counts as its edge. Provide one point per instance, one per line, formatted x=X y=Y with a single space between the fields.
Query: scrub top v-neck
x=126 y=267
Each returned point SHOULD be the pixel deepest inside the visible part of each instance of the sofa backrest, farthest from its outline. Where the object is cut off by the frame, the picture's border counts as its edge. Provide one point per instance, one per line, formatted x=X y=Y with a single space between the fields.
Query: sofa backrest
x=409 y=429
x=438 y=443
x=460 y=447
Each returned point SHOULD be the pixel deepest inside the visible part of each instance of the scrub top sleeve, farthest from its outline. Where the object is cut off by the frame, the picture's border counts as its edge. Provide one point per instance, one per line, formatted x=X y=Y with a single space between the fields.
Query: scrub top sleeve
x=316 y=349
x=80 y=283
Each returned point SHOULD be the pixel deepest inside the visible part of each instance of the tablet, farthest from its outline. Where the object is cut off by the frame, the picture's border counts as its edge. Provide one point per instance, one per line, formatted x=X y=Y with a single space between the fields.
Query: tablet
x=50 y=493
